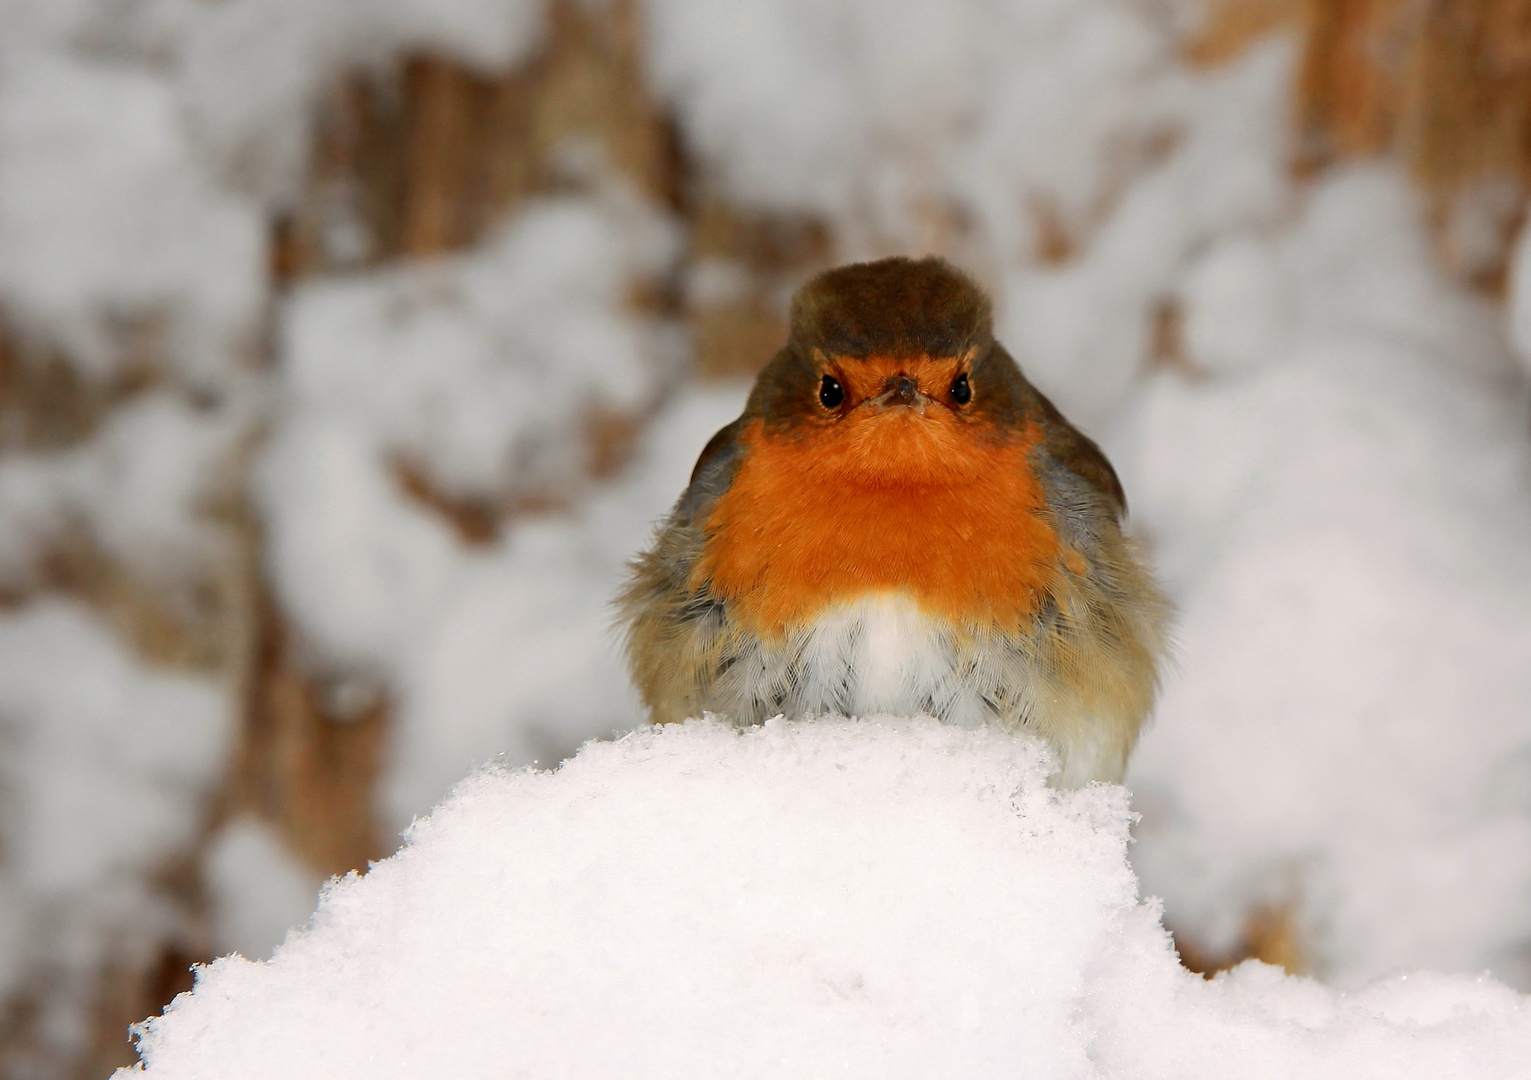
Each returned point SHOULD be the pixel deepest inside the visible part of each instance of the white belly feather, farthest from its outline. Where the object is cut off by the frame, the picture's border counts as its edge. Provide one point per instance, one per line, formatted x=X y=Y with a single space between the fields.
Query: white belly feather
x=882 y=655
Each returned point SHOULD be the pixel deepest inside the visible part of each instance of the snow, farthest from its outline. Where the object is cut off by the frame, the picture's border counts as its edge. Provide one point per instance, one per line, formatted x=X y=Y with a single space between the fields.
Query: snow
x=482 y=371
x=498 y=649
x=251 y=72
x=104 y=767
x=481 y=368
x=1237 y=306
x=258 y=890
x=1344 y=520
x=518 y=658
x=110 y=787
x=1084 y=330
x=107 y=220
x=137 y=488
x=858 y=110
x=1331 y=471
x=851 y=898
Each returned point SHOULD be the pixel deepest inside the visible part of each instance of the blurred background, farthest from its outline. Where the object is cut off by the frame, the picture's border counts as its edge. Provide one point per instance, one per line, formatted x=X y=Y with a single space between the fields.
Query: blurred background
x=349 y=347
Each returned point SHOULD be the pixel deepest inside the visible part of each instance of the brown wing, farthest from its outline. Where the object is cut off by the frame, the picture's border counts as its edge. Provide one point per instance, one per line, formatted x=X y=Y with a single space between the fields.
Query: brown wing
x=1077 y=452
x=713 y=472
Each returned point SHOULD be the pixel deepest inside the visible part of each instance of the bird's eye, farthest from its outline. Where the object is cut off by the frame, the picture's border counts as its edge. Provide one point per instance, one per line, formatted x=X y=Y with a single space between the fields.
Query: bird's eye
x=962 y=390
x=831 y=393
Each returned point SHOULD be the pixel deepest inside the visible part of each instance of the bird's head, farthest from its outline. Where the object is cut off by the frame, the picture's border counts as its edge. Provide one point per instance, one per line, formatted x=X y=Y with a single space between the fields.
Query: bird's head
x=891 y=375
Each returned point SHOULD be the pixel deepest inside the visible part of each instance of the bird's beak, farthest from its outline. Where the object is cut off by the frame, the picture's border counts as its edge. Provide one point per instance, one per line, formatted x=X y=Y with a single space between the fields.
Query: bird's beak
x=901 y=390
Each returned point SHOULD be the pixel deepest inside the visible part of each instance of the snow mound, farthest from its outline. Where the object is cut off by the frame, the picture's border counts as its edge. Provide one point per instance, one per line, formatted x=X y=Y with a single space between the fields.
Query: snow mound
x=856 y=898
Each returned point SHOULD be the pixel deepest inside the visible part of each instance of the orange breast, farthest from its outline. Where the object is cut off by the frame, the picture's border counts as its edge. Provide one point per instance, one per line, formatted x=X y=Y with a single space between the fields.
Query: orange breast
x=930 y=505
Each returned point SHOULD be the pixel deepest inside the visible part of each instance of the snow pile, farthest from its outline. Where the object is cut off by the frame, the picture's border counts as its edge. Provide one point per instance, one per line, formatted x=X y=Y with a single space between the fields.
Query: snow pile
x=894 y=898
x=1344 y=515
x=103 y=767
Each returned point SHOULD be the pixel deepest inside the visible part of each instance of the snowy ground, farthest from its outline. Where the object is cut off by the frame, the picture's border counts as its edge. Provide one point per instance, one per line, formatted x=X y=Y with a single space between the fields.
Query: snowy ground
x=853 y=898
x=1332 y=470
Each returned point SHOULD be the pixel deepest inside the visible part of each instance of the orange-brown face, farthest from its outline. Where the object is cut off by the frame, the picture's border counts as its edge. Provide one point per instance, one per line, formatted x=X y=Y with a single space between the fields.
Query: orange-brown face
x=883 y=421
x=890 y=483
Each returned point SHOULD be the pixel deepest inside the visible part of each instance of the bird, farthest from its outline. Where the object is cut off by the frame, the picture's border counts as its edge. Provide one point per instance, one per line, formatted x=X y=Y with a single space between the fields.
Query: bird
x=900 y=523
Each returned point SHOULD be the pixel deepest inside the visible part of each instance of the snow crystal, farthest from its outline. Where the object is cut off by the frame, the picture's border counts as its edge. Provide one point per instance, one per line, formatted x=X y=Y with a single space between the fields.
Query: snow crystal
x=848 y=898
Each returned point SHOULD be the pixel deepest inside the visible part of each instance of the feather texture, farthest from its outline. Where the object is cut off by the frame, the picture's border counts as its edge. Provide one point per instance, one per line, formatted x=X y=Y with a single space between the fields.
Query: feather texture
x=907 y=550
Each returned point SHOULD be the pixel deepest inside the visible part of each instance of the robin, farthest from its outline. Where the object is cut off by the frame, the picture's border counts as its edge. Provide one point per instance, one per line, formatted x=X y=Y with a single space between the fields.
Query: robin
x=900 y=523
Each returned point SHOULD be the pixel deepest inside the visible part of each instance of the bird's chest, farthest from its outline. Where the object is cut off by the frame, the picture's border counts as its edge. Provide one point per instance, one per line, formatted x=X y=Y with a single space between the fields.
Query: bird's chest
x=791 y=544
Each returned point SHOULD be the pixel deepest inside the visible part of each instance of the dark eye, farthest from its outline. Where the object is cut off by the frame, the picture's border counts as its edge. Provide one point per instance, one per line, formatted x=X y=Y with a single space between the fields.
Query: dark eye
x=831 y=393
x=962 y=392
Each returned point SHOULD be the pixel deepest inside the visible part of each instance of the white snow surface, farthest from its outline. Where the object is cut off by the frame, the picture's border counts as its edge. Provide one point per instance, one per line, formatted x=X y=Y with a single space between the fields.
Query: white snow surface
x=879 y=898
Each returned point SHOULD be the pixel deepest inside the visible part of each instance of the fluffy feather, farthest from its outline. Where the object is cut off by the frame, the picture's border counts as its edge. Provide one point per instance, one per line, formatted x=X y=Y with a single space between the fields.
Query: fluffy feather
x=932 y=556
